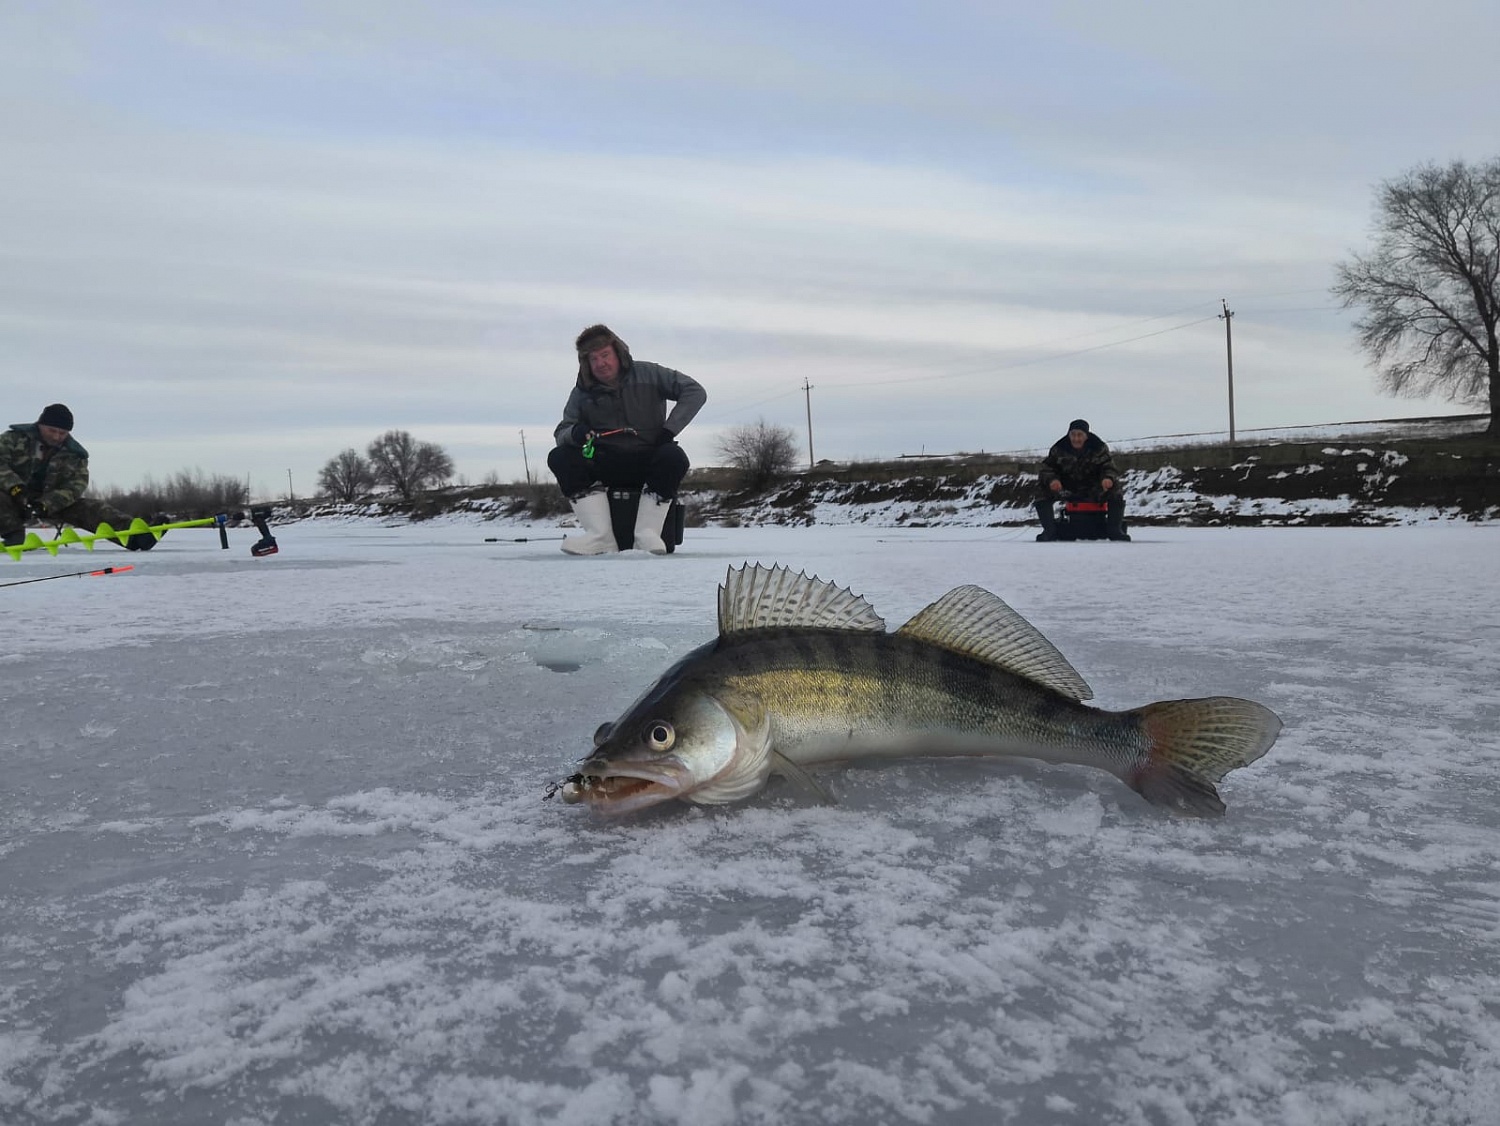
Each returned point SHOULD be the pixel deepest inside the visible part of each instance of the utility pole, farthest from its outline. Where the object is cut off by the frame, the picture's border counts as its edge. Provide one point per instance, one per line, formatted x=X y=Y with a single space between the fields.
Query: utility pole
x=1226 y=316
x=807 y=392
x=290 y=496
x=524 y=460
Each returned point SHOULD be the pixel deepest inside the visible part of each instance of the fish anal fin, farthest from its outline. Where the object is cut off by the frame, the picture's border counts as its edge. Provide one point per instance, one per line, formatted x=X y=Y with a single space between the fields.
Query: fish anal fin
x=755 y=597
x=972 y=621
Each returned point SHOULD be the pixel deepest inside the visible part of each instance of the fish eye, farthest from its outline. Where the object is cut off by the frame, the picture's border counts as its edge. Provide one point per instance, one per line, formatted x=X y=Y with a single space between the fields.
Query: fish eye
x=660 y=736
x=602 y=733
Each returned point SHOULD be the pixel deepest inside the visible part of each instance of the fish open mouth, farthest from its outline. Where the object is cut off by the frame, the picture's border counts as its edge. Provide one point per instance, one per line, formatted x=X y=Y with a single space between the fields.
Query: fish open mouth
x=618 y=789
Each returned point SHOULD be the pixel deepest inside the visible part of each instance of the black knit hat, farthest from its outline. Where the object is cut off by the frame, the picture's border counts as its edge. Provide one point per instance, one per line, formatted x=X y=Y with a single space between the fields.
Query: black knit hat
x=1079 y=424
x=56 y=415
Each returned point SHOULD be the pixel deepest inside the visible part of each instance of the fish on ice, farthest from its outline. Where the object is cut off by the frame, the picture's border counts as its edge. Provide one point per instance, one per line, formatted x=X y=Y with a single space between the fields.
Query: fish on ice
x=805 y=675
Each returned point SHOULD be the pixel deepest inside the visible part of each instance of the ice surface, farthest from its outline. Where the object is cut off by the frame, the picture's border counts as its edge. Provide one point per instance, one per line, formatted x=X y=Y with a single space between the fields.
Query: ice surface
x=274 y=846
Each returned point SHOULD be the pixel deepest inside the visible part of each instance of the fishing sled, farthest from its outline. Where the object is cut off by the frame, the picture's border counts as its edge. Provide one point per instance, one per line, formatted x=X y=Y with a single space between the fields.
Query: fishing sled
x=1076 y=518
x=623 y=503
x=1082 y=520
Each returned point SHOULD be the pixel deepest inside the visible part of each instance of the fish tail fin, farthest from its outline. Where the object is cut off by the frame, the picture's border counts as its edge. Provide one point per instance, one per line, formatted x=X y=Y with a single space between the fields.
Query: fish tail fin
x=1192 y=744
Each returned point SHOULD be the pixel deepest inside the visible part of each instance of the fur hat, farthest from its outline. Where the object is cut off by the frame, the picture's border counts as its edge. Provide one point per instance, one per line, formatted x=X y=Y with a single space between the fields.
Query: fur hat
x=56 y=415
x=1079 y=424
x=592 y=339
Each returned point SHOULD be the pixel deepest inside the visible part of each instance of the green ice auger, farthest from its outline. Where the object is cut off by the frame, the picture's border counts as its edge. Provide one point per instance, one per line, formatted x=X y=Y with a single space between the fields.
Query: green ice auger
x=102 y=532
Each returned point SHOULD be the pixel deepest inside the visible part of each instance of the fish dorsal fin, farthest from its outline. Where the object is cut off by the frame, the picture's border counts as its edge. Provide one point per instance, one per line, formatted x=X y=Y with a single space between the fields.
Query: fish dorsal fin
x=972 y=621
x=756 y=597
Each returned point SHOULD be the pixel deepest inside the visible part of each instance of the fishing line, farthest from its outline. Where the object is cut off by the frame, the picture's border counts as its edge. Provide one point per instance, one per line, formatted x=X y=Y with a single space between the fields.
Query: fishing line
x=1002 y=536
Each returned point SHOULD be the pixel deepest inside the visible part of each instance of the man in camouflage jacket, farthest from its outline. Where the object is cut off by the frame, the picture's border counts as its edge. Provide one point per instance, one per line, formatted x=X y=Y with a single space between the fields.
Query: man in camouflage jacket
x=1079 y=466
x=43 y=474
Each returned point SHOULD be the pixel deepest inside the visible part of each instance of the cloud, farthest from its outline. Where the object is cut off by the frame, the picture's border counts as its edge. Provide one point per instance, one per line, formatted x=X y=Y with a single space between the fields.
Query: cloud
x=270 y=229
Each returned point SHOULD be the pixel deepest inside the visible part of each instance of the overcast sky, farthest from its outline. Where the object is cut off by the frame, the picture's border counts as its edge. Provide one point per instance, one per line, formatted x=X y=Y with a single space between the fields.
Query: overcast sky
x=240 y=238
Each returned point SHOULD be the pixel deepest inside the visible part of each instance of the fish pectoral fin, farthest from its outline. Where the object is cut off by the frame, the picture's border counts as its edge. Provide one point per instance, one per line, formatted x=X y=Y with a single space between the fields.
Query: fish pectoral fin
x=800 y=779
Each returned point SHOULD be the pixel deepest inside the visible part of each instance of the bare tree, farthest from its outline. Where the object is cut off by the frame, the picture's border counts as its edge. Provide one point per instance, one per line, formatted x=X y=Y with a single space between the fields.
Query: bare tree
x=760 y=452
x=346 y=477
x=187 y=494
x=401 y=462
x=1430 y=289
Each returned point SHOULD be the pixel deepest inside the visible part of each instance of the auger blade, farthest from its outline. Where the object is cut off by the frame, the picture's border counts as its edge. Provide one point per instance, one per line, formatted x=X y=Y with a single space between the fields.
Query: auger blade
x=104 y=531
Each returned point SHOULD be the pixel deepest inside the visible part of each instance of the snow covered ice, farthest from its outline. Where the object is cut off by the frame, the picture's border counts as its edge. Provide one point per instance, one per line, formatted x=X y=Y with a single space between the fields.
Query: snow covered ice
x=274 y=846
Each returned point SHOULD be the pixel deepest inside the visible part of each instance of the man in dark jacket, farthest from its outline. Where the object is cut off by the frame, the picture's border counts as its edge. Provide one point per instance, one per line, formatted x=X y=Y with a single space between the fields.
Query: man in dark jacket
x=43 y=474
x=1079 y=466
x=615 y=430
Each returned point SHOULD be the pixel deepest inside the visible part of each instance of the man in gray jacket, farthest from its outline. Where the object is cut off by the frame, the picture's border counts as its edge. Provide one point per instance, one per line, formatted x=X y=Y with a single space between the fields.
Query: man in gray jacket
x=616 y=430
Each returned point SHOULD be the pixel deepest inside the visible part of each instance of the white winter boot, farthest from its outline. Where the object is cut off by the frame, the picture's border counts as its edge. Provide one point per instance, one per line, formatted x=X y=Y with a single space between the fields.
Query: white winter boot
x=650 y=517
x=598 y=535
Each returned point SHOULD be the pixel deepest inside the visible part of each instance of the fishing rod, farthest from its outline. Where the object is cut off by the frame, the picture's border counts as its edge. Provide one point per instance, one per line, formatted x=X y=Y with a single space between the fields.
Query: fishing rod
x=588 y=447
x=72 y=574
x=521 y=539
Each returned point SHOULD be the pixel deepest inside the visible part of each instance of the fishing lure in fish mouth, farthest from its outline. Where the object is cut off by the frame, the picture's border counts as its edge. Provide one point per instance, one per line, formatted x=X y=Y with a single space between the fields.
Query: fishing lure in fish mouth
x=587 y=787
x=804 y=674
x=570 y=788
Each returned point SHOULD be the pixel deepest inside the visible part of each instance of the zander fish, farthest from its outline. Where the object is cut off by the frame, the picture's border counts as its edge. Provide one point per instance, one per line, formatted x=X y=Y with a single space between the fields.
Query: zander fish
x=805 y=674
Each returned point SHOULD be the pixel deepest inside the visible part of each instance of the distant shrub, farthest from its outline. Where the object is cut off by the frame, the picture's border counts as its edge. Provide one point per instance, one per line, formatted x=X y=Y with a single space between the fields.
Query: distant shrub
x=346 y=477
x=537 y=500
x=407 y=466
x=187 y=495
x=760 y=452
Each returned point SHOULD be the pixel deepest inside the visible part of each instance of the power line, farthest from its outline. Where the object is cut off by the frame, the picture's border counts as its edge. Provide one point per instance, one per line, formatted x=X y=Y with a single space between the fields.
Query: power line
x=1070 y=337
x=1295 y=309
x=988 y=368
x=733 y=408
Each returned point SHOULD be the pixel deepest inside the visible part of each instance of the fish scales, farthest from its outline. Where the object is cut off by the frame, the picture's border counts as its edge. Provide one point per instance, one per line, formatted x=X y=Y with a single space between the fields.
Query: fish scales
x=840 y=694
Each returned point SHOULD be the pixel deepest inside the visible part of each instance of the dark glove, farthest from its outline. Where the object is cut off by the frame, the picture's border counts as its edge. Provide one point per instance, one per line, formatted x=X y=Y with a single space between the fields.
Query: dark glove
x=581 y=433
x=665 y=437
x=22 y=501
x=38 y=508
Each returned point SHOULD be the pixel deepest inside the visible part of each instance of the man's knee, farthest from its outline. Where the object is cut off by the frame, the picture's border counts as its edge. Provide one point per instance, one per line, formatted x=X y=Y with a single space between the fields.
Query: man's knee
x=671 y=458
x=571 y=469
x=669 y=465
x=564 y=459
x=89 y=514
